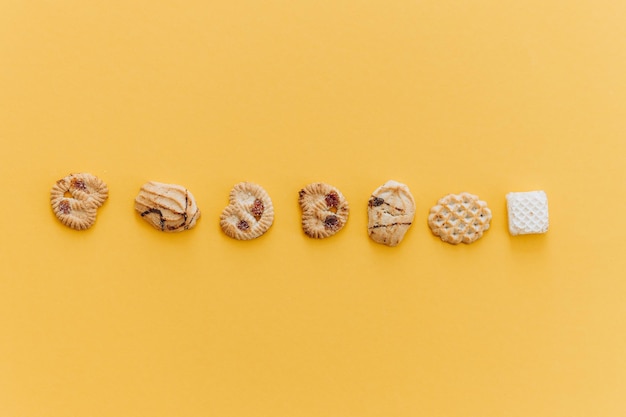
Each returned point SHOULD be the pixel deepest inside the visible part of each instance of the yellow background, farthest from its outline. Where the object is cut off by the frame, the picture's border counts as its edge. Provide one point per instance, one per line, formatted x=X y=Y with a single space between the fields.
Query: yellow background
x=486 y=96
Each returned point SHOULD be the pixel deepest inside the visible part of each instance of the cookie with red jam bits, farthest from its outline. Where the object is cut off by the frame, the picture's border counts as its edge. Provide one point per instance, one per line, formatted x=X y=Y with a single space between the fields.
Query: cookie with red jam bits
x=324 y=210
x=249 y=214
x=76 y=198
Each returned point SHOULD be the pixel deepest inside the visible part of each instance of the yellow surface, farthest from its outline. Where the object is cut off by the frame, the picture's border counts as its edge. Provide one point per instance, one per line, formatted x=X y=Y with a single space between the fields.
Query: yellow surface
x=485 y=96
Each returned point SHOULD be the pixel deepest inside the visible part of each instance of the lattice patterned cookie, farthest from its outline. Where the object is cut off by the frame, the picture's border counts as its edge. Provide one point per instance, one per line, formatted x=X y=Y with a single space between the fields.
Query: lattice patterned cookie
x=459 y=218
x=249 y=214
x=528 y=212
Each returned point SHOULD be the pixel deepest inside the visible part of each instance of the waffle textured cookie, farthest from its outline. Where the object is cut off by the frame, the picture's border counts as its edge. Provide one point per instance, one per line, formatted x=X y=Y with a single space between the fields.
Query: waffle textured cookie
x=324 y=210
x=167 y=207
x=390 y=210
x=76 y=198
x=528 y=212
x=459 y=218
x=249 y=214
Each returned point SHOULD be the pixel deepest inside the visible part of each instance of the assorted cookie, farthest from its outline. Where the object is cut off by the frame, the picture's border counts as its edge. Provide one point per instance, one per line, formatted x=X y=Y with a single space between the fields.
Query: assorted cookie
x=528 y=212
x=459 y=218
x=167 y=207
x=456 y=218
x=324 y=210
x=249 y=214
x=76 y=198
x=390 y=213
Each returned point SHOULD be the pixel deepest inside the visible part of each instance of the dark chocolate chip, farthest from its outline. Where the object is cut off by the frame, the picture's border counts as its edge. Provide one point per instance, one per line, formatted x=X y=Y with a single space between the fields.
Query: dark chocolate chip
x=376 y=201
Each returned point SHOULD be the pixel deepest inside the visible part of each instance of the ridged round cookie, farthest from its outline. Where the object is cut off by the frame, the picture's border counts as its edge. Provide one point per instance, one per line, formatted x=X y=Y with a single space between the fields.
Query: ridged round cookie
x=390 y=210
x=324 y=210
x=249 y=214
x=167 y=207
x=86 y=193
x=459 y=218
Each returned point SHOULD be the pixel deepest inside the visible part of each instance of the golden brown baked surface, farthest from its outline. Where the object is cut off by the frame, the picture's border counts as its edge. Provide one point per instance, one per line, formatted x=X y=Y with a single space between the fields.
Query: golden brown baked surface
x=324 y=210
x=167 y=207
x=390 y=212
x=76 y=198
x=249 y=214
x=459 y=218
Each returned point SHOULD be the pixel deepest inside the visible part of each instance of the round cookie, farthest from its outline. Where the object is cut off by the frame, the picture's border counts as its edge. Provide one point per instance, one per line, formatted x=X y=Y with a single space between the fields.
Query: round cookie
x=324 y=210
x=459 y=218
x=249 y=214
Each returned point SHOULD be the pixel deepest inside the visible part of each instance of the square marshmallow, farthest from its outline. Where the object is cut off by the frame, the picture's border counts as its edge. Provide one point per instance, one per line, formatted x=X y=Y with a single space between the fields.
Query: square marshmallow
x=528 y=212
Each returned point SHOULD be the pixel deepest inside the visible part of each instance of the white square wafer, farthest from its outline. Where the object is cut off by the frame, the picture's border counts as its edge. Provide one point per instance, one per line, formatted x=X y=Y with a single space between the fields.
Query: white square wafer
x=528 y=212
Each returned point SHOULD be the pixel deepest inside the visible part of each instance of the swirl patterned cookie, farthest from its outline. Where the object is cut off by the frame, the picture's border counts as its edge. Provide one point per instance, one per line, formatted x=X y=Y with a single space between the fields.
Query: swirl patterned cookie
x=76 y=198
x=167 y=207
x=249 y=214
x=324 y=210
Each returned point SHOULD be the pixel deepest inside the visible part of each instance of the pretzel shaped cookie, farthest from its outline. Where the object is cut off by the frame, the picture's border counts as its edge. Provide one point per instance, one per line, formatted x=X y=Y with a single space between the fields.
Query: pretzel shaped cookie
x=324 y=210
x=249 y=214
x=76 y=198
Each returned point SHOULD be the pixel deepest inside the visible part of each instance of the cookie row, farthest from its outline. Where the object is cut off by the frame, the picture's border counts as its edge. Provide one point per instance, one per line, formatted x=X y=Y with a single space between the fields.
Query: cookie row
x=456 y=218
